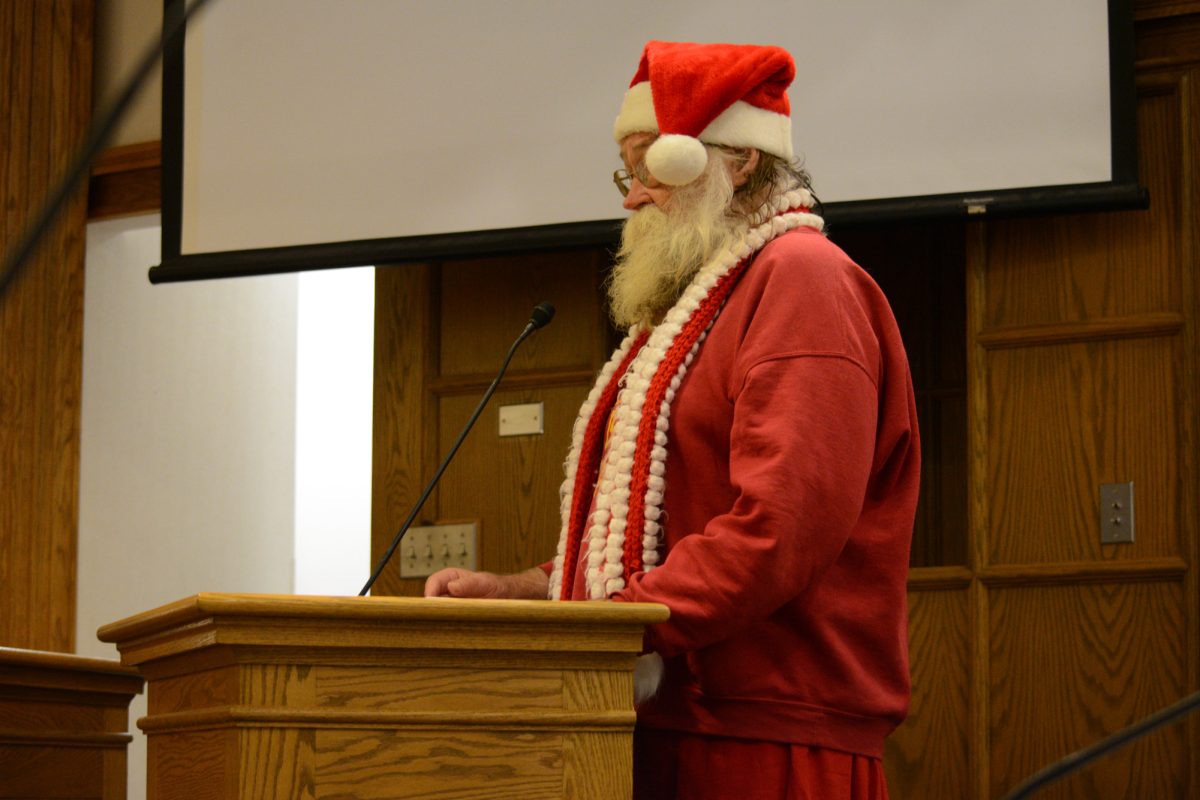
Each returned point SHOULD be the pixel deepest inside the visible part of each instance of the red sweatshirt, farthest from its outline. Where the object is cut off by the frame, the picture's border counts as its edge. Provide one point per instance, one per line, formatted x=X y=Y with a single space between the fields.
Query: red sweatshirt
x=791 y=484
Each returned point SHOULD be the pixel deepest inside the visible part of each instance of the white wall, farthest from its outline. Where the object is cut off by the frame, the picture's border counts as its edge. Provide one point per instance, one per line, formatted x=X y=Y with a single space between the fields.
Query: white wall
x=192 y=424
x=335 y=342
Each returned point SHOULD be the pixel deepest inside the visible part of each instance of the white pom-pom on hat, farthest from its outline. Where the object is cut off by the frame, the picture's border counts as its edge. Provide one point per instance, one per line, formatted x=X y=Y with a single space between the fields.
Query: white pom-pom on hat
x=676 y=160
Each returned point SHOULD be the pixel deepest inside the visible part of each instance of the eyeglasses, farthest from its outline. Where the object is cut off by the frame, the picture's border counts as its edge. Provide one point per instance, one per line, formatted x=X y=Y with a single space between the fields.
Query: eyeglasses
x=623 y=178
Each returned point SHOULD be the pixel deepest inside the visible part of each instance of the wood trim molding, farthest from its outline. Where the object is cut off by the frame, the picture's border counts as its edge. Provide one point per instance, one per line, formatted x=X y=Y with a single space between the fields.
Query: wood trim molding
x=65 y=738
x=1149 y=569
x=1168 y=40
x=1164 y=323
x=126 y=180
x=467 y=384
x=258 y=717
x=128 y=158
x=932 y=579
x=1145 y=10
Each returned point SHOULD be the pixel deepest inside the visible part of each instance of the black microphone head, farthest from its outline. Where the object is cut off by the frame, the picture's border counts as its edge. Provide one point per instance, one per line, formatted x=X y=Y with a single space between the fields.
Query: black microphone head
x=541 y=315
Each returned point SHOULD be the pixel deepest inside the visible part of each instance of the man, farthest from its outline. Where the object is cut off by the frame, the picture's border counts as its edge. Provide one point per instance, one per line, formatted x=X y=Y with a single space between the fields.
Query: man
x=749 y=456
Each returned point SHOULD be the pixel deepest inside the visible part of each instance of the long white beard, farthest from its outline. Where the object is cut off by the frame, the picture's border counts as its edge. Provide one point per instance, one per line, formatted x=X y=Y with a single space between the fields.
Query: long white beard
x=661 y=251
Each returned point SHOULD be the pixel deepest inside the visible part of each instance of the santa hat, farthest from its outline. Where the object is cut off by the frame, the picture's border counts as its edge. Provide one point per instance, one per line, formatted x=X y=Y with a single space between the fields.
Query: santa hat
x=689 y=94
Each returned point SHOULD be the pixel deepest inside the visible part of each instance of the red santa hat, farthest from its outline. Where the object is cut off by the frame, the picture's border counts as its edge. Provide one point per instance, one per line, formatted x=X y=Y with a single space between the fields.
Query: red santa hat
x=689 y=94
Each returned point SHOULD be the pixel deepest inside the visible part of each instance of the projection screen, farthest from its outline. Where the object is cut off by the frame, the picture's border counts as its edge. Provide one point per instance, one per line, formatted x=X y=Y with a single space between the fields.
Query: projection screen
x=302 y=134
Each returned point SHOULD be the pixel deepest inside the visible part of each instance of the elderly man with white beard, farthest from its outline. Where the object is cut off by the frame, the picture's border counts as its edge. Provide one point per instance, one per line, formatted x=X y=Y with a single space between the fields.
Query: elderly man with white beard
x=748 y=457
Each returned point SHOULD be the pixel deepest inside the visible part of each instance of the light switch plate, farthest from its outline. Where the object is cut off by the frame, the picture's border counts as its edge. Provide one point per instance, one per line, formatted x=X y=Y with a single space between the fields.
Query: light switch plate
x=428 y=548
x=1116 y=513
x=522 y=420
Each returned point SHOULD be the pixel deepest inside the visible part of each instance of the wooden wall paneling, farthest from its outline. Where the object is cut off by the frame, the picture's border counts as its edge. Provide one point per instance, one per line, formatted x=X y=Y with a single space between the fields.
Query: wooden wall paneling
x=1072 y=664
x=440 y=338
x=1075 y=268
x=1190 y=457
x=1072 y=417
x=1167 y=40
x=402 y=331
x=485 y=303
x=511 y=483
x=1160 y=9
x=45 y=55
x=978 y=506
x=1082 y=351
x=928 y=756
x=126 y=180
x=1168 y=62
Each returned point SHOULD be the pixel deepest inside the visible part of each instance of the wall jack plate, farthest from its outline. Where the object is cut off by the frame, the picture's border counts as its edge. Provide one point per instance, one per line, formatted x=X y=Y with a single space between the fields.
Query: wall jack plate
x=428 y=548
x=1116 y=513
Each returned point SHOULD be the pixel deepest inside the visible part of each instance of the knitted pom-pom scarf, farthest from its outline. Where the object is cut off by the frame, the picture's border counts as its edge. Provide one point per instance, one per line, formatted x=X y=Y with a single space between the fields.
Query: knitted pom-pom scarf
x=622 y=485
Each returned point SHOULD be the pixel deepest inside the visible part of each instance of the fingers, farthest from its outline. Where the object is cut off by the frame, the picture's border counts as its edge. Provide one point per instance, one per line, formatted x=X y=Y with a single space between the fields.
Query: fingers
x=437 y=584
x=458 y=582
x=474 y=584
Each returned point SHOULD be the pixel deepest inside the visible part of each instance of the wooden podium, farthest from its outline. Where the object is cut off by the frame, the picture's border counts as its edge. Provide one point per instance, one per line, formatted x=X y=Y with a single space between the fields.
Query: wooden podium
x=283 y=696
x=64 y=725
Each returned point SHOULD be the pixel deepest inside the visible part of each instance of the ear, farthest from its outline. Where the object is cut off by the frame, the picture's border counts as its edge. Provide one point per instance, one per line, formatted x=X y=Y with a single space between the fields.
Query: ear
x=745 y=167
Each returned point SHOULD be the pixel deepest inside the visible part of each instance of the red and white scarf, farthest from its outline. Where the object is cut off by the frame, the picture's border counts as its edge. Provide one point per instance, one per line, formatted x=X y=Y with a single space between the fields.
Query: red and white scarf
x=622 y=485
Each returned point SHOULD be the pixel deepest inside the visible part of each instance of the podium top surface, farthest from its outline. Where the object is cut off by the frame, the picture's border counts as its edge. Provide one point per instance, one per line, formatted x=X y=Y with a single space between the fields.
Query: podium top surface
x=314 y=608
x=67 y=673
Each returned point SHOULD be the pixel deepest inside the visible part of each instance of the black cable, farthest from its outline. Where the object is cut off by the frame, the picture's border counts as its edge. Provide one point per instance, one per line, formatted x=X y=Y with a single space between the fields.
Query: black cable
x=542 y=314
x=1121 y=738
x=173 y=26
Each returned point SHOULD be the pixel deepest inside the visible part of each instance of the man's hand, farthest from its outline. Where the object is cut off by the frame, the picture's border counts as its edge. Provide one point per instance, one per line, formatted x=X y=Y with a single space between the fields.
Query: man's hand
x=532 y=584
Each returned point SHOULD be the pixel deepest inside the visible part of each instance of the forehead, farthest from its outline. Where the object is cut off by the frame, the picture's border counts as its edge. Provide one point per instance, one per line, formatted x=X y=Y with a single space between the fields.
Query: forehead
x=634 y=146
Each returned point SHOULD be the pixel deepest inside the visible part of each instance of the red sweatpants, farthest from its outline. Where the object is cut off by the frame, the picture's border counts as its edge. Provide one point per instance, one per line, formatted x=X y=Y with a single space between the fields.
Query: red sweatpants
x=682 y=766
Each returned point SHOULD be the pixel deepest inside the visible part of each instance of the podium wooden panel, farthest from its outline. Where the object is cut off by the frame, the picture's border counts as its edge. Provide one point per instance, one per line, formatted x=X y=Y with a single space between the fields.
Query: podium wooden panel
x=64 y=725
x=273 y=696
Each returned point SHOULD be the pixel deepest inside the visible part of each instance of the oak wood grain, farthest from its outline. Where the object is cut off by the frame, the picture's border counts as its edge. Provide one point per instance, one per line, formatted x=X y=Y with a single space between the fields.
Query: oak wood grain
x=1084 y=342
x=126 y=179
x=928 y=755
x=270 y=696
x=1072 y=417
x=1070 y=268
x=485 y=303
x=45 y=56
x=441 y=334
x=64 y=725
x=451 y=689
x=451 y=766
x=399 y=411
x=1073 y=664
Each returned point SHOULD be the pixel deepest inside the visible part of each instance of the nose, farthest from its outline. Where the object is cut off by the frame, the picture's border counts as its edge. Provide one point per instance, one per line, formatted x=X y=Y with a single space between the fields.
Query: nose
x=638 y=196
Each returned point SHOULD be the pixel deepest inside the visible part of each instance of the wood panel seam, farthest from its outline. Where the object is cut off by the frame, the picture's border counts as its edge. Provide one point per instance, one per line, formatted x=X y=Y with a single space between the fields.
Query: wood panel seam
x=1165 y=323
x=1080 y=572
x=260 y=717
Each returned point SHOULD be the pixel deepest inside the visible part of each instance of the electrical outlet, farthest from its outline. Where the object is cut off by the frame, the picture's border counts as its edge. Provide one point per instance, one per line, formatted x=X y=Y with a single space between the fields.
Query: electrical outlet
x=428 y=548
x=1116 y=513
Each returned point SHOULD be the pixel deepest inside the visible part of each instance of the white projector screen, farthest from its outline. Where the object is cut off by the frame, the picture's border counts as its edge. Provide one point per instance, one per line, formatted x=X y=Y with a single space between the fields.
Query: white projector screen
x=315 y=133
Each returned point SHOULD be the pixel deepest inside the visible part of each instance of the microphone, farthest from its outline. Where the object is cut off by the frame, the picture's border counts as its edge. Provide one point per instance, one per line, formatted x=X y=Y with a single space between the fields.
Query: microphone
x=539 y=318
x=541 y=315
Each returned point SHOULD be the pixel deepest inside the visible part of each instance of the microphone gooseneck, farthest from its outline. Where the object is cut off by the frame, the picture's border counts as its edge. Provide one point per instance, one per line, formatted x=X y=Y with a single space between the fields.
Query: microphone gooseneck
x=538 y=318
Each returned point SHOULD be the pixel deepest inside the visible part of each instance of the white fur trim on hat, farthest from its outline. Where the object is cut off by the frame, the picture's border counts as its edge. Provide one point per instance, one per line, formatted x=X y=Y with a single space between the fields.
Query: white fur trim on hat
x=740 y=125
x=744 y=125
x=637 y=112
